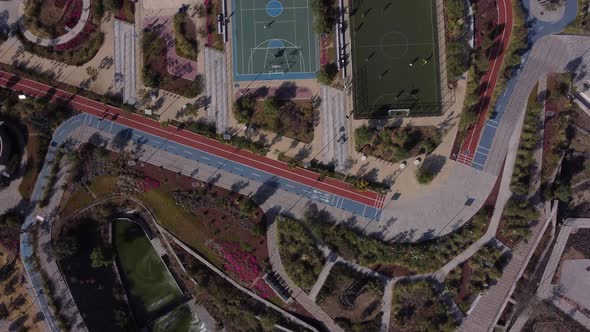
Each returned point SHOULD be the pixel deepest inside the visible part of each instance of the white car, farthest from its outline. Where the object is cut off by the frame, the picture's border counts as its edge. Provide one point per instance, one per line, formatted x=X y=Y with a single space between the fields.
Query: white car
x=403 y=164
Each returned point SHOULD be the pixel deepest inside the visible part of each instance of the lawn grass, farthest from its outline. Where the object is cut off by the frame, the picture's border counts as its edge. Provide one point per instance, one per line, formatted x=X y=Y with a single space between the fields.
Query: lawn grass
x=179 y=222
x=150 y=285
x=101 y=186
x=301 y=258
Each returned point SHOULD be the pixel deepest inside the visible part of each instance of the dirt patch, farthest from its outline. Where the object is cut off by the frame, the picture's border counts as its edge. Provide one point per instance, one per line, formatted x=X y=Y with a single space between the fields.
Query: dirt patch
x=416 y=306
x=392 y=271
x=350 y=297
x=22 y=311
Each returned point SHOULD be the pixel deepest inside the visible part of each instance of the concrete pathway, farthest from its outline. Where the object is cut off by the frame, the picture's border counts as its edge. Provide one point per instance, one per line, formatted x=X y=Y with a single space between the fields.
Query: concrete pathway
x=61 y=39
x=306 y=302
x=335 y=135
x=552 y=292
x=125 y=63
x=216 y=89
x=330 y=261
x=44 y=252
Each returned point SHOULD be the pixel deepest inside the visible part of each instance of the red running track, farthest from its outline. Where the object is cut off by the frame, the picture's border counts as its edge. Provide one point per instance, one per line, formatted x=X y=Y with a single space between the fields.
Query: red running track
x=469 y=145
x=190 y=139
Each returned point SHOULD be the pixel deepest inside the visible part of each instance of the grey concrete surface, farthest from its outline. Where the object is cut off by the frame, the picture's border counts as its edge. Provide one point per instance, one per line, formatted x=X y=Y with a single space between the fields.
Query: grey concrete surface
x=575 y=278
x=125 y=61
x=333 y=112
x=449 y=203
x=216 y=88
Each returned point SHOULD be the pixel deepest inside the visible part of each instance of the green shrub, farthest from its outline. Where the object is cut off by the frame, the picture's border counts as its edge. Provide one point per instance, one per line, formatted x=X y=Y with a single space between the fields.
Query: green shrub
x=186 y=46
x=424 y=175
x=324 y=14
x=363 y=136
x=327 y=74
x=301 y=257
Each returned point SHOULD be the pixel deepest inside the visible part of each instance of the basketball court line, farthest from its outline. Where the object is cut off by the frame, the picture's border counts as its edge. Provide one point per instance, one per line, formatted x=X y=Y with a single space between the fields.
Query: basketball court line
x=290 y=60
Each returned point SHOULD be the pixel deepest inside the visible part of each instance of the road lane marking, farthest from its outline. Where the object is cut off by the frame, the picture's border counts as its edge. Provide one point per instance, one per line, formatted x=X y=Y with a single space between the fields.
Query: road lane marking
x=145 y=123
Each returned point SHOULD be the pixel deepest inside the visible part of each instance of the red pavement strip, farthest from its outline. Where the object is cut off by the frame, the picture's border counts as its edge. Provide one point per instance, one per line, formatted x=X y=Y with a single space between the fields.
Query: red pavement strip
x=193 y=140
x=491 y=77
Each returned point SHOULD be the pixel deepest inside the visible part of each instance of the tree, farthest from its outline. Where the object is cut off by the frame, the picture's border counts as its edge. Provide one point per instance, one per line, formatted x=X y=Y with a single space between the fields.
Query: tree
x=271 y=105
x=150 y=77
x=327 y=74
x=362 y=136
x=101 y=256
x=113 y=5
x=65 y=247
x=424 y=175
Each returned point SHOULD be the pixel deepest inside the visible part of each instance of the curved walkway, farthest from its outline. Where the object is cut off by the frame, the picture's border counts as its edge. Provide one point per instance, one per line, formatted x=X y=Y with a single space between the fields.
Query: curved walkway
x=63 y=38
x=48 y=266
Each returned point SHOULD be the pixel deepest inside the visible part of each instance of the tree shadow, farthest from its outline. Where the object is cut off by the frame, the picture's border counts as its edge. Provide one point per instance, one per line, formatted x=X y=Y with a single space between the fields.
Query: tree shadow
x=287 y=90
x=121 y=139
x=265 y=191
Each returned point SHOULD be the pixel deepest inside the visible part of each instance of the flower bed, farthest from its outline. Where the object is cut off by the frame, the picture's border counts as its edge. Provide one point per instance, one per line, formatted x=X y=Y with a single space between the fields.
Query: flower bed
x=73 y=16
x=243 y=265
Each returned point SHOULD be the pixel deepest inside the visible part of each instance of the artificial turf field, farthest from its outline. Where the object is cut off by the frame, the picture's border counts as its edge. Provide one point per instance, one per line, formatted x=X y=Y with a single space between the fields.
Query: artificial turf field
x=395 y=57
x=274 y=39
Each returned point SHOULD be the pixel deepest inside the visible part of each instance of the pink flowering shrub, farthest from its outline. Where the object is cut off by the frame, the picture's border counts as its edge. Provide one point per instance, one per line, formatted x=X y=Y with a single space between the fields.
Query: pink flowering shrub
x=74 y=14
x=243 y=265
x=150 y=183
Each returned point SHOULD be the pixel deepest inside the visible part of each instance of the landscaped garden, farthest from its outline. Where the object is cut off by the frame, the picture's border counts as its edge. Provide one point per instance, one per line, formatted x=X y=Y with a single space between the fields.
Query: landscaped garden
x=456 y=26
x=51 y=19
x=223 y=226
x=556 y=138
x=301 y=258
x=155 y=71
x=517 y=218
x=475 y=275
x=525 y=165
x=416 y=306
x=279 y=113
x=420 y=257
x=231 y=308
x=185 y=36
x=394 y=144
x=352 y=299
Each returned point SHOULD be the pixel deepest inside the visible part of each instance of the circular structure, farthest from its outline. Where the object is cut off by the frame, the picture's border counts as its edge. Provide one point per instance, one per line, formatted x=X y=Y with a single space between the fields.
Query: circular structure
x=274 y=8
x=394 y=44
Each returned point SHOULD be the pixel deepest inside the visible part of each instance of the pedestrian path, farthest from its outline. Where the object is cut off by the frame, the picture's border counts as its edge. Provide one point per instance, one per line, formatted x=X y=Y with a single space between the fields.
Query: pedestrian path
x=30 y=36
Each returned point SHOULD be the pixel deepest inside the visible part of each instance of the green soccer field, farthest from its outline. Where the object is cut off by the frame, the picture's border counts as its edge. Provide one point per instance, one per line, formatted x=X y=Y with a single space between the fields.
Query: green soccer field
x=274 y=39
x=395 y=58
x=151 y=286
